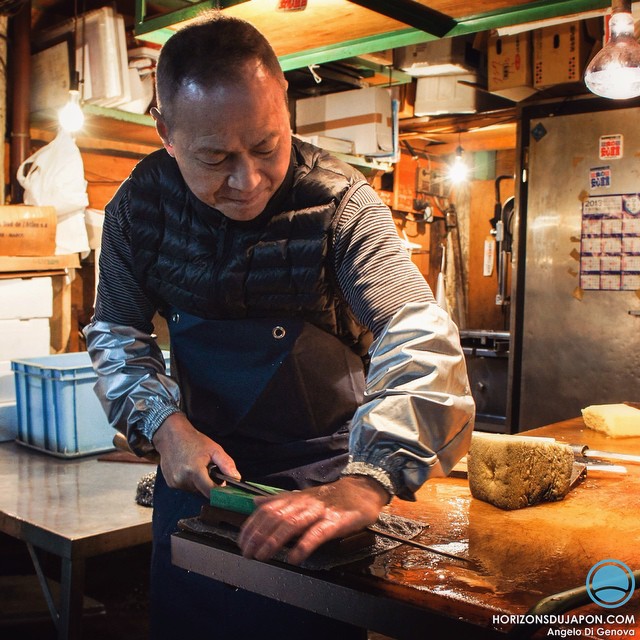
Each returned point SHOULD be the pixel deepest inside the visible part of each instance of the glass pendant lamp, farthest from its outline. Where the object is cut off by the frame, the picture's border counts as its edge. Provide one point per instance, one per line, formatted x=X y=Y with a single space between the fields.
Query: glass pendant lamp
x=614 y=72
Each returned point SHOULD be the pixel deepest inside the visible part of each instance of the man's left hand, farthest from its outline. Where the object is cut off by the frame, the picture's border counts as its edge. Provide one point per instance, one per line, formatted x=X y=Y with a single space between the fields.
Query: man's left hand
x=312 y=516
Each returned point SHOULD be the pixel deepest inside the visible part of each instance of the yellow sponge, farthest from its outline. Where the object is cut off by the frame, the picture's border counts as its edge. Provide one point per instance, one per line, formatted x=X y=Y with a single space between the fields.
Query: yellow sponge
x=616 y=420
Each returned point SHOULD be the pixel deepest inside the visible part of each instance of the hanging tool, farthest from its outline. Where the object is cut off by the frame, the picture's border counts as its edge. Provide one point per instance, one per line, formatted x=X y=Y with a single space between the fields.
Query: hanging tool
x=441 y=294
x=501 y=223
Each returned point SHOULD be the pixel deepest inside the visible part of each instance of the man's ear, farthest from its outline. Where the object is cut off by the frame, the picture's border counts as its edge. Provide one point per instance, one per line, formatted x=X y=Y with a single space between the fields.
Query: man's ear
x=163 y=130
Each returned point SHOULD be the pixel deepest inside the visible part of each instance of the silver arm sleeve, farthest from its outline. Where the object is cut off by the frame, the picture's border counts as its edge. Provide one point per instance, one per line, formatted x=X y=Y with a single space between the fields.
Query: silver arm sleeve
x=133 y=386
x=418 y=415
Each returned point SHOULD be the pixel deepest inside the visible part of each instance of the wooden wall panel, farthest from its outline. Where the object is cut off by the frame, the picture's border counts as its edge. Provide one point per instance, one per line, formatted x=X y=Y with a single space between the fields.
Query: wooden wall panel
x=104 y=174
x=483 y=313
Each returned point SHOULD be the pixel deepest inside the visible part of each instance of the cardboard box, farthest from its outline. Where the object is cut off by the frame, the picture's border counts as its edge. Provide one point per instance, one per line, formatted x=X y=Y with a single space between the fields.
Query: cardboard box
x=27 y=230
x=510 y=66
x=362 y=116
x=24 y=338
x=24 y=298
x=438 y=95
x=560 y=53
x=445 y=56
x=405 y=94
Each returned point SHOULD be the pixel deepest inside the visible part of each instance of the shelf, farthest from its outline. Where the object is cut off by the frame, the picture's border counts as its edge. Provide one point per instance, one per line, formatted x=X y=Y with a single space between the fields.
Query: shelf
x=337 y=29
x=133 y=134
x=104 y=130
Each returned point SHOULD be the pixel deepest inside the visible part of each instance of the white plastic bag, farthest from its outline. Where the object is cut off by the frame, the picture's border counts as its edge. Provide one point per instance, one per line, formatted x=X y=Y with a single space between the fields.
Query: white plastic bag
x=55 y=177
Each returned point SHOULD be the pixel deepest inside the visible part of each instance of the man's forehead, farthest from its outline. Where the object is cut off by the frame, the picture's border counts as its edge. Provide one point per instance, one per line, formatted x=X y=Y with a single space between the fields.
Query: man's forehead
x=247 y=73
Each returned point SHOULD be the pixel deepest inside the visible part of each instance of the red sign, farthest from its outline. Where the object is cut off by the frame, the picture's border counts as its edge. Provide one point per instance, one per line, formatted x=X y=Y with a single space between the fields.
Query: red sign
x=611 y=147
x=292 y=5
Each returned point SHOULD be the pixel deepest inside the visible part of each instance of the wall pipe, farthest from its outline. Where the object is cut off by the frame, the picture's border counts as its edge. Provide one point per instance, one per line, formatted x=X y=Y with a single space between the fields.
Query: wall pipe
x=20 y=87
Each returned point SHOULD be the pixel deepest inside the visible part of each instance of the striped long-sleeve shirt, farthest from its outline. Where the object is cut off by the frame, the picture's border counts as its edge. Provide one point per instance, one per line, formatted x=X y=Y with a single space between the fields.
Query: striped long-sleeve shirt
x=417 y=416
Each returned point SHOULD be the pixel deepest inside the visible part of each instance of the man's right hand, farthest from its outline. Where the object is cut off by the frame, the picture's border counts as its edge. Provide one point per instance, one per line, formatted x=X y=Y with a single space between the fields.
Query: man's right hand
x=185 y=455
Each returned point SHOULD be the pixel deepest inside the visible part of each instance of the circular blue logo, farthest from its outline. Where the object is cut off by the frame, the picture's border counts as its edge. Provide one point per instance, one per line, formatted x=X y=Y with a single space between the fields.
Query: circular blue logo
x=610 y=583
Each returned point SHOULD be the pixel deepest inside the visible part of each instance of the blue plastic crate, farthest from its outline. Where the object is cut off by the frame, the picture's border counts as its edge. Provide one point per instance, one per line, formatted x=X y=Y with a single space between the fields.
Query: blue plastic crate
x=58 y=410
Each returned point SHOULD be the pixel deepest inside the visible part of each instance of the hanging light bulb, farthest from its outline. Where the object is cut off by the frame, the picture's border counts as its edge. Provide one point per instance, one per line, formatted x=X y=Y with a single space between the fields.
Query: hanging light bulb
x=615 y=71
x=71 y=117
x=458 y=171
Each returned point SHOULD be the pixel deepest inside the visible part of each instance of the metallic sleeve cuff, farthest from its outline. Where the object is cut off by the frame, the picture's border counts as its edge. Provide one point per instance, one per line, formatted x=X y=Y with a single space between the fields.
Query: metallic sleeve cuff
x=157 y=413
x=371 y=471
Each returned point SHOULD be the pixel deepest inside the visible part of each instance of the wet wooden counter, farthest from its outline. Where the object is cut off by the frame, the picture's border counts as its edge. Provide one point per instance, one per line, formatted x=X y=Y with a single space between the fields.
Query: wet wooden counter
x=74 y=509
x=518 y=558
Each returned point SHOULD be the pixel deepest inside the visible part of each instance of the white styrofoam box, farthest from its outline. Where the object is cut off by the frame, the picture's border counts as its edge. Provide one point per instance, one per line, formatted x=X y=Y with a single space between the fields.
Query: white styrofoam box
x=50 y=78
x=94 y=220
x=24 y=338
x=8 y=421
x=362 y=116
x=446 y=94
x=330 y=144
x=7 y=384
x=444 y=56
x=102 y=58
x=26 y=298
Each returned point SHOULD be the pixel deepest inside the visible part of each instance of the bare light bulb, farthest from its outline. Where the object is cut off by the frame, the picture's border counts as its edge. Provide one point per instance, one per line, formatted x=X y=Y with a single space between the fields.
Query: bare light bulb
x=70 y=116
x=615 y=71
x=458 y=171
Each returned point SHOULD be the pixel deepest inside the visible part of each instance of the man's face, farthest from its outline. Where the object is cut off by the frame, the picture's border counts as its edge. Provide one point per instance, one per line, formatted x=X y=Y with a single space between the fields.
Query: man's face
x=232 y=142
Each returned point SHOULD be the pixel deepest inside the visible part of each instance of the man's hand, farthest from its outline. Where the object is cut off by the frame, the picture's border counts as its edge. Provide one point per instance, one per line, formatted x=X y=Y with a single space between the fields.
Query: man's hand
x=314 y=516
x=185 y=454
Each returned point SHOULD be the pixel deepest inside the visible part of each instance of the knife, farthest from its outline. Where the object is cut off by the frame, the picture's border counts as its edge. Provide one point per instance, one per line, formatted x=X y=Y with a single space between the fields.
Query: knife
x=262 y=490
x=586 y=452
x=251 y=487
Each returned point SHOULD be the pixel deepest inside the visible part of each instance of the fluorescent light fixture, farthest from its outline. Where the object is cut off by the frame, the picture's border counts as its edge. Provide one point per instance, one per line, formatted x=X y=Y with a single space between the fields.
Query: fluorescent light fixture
x=614 y=72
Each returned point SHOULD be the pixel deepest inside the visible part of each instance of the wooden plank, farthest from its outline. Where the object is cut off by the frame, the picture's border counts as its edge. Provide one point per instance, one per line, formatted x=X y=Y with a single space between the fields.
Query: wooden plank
x=104 y=174
x=101 y=133
x=39 y=263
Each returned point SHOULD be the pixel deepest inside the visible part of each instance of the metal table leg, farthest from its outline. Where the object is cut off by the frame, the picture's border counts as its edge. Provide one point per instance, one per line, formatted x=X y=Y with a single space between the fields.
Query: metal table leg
x=67 y=618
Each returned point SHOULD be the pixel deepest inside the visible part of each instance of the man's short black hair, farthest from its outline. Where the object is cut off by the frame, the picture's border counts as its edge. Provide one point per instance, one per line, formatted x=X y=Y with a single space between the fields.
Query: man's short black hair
x=208 y=51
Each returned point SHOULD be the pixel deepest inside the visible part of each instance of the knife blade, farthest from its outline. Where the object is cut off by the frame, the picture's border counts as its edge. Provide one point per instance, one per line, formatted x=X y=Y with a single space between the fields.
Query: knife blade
x=418 y=545
x=251 y=487
x=586 y=452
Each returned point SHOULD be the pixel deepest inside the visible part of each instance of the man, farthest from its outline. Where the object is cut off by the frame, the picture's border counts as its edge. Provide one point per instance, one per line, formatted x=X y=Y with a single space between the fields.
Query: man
x=273 y=264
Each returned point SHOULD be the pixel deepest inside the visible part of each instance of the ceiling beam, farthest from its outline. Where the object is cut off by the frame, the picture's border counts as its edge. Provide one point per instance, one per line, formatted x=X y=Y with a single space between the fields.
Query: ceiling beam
x=412 y=13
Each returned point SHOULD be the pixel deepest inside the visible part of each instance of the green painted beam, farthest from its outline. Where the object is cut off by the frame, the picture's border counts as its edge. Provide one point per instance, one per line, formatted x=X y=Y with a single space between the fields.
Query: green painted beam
x=531 y=12
x=156 y=29
x=395 y=76
x=146 y=26
x=353 y=48
x=118 y=114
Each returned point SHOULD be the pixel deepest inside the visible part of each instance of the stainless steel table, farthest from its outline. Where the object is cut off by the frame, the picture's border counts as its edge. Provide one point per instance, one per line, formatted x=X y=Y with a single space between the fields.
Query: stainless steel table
x=74 y=509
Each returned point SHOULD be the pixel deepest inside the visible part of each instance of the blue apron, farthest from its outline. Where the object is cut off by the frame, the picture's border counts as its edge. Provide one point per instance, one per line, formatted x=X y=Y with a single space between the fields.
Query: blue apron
x=278 y=395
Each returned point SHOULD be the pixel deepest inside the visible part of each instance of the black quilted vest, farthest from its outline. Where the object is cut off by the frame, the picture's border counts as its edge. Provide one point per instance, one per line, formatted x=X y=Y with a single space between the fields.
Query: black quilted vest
x=190 y=256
